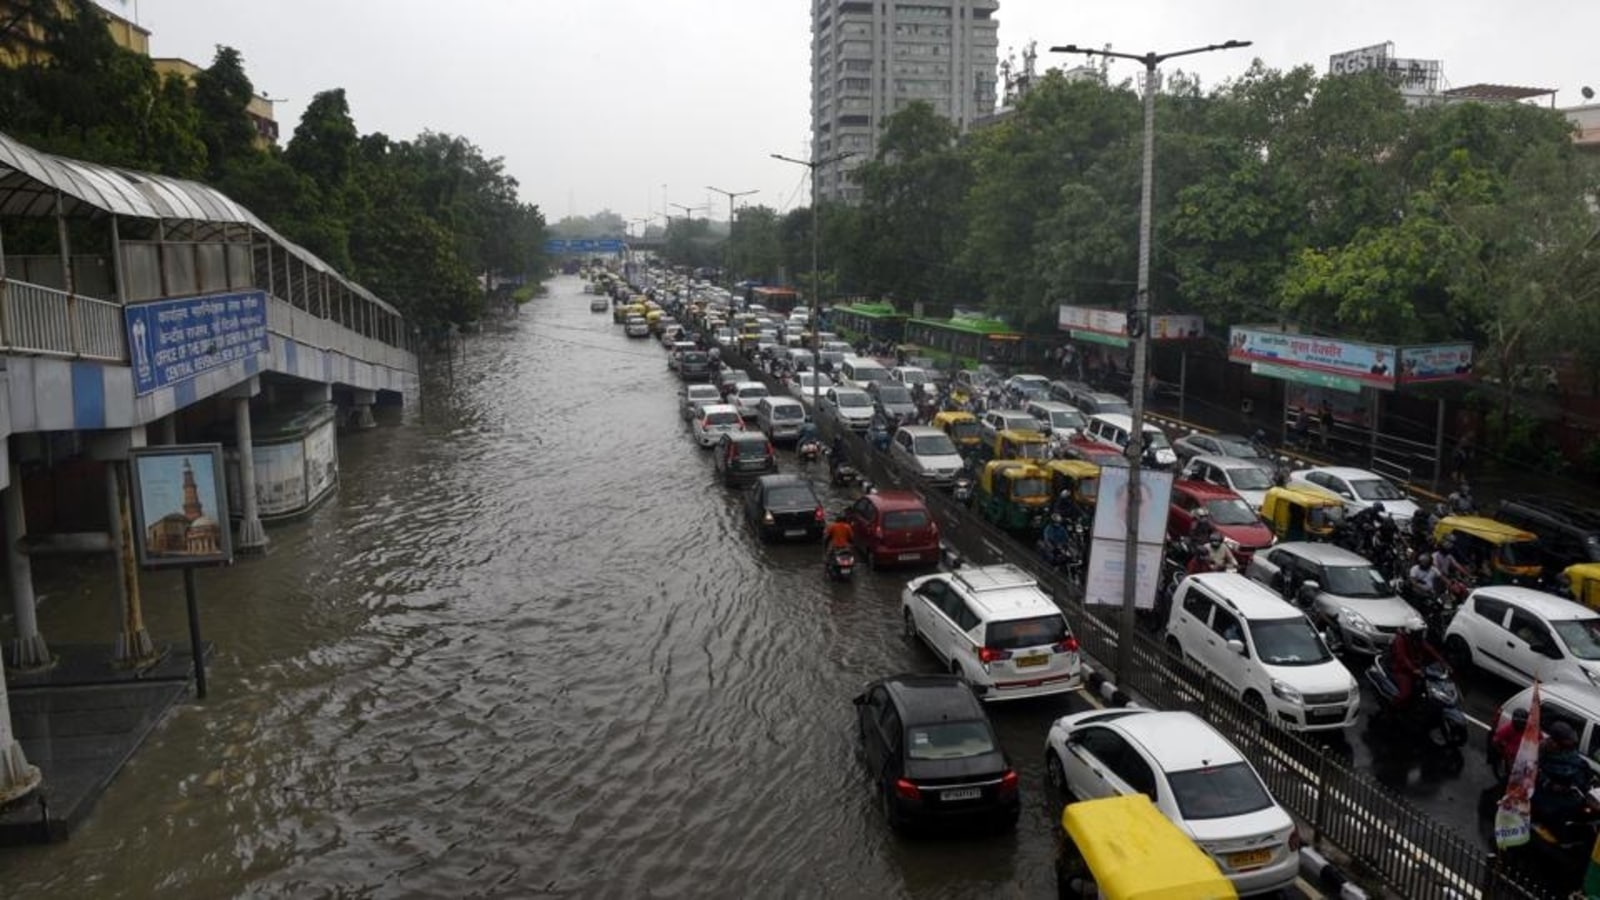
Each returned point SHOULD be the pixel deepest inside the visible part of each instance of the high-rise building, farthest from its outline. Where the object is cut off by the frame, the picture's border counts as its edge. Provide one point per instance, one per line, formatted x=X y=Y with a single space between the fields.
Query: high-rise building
x=872 y=58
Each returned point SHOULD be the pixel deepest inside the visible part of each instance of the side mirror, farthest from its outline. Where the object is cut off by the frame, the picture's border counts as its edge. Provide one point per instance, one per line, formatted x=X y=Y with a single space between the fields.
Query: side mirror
x=1547 y=650
x=1236 y=646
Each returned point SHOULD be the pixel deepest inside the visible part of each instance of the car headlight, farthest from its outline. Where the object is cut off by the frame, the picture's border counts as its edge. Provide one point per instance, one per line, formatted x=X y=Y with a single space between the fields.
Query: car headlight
x=1415 y=621
x=1355 y=621
x=1592 y=674
x=1287 y=693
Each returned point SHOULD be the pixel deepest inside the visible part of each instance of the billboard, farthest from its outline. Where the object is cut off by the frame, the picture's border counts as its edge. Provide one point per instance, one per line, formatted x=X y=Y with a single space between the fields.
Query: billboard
x=180 y=512
x=583 y=245
x=1092 y=323
x=1353 y=61
x=1108 y=555
x=1435 y=362
x=1285 y=355
x=171 y=341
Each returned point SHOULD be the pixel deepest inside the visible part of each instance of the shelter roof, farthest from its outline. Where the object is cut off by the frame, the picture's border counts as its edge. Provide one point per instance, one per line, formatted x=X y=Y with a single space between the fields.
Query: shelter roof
x=1496 y=92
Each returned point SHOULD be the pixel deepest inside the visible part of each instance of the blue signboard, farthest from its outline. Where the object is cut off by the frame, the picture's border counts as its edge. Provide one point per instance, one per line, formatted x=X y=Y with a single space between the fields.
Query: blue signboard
x=555 y=245
x=172 y=341
x=583 y=245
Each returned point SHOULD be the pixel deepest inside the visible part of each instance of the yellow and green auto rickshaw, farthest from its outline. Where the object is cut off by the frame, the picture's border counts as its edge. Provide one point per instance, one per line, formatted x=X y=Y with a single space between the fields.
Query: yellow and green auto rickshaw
x=962 y=427
x=1123 y=848
x=1012 y=443
x=1081 y=478
x=1013 y=494
x=1498 y=553
x=623 y=313
x=1301 y=512
x=1582 y=582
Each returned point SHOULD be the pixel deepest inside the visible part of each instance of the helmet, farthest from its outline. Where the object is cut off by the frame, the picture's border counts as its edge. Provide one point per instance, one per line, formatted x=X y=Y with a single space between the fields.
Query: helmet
x=1562 y=733
x=1378 y=508
x=1448 y=542
x=1066 y=494
x=1520 y=717
x=1441 y=509
x=1424 y=560
x=1056 y=518
x=1202 y=513
x=1215 y=540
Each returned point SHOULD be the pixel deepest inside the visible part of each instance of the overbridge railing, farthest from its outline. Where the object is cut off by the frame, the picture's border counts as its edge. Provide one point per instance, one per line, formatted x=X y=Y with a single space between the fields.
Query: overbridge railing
x=48 y=321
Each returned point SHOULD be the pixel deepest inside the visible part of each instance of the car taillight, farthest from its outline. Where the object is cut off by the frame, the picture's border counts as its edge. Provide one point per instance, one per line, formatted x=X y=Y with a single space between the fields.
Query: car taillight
x=821 y=516
x=1068 y=645
x=1008 y=782
x=770 y=451
x=990 y=654
x=906 y=789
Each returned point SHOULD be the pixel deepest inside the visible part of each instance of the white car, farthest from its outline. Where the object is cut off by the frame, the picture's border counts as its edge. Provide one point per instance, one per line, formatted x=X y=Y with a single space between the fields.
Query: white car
x=1262 y=648
x=1199 y=781
x=1359 y=489
x=994 y=627
x=997 y=420
x=1115 y=429
x=803 y=383
x=636 y=326
x=1522 y=635
x=714 y=421
x=746 y=396
x=910 y=376
x=849 y=405
x=927 y=451
x=1241 y=476
x=1361 y=611
x=697 y=395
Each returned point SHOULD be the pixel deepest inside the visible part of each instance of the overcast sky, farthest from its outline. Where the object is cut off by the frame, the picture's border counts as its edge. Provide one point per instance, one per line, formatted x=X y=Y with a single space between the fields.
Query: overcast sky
x=597 y=104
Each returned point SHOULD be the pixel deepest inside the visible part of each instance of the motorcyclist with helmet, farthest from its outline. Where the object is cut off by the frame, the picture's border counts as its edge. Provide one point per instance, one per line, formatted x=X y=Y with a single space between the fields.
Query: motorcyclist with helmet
x=1423 y=578
x=1409 y=654
x=1202 y=529
x=1053 y=541
x=1565 y=780
x=1214 y=556
x=1445 y=561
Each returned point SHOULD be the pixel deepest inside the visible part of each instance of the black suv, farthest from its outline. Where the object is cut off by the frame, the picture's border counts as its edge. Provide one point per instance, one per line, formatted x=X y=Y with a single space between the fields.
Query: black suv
x=784 y=506
x=1568 y=533
x=743 y=456
x=932 y=753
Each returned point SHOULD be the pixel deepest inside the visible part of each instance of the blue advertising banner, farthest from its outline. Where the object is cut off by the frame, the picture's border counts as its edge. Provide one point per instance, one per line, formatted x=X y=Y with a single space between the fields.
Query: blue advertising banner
x=171 y=341
x=583 y=245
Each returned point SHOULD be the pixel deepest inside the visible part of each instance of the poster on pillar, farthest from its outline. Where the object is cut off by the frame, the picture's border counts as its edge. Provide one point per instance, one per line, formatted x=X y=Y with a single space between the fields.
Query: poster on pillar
x=180 y=511
x=172 y=341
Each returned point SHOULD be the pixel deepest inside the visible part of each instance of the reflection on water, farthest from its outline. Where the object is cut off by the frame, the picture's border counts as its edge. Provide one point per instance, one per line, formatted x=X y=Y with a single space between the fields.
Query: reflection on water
x=529 y=647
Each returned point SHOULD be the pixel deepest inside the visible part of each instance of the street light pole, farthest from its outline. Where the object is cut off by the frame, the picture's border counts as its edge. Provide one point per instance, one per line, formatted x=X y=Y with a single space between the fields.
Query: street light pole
x=727 y=253
x=1139 y=335
x=688 y=218
x=816 y=286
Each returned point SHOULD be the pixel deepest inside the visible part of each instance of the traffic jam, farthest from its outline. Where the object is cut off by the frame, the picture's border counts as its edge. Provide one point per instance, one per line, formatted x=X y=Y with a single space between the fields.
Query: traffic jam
x=1328 y=600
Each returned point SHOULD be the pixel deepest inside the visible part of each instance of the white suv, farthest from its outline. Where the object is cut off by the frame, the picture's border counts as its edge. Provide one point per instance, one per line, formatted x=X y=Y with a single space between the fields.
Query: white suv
x=1524 y=635
x=995 y=628
x=1263 y=648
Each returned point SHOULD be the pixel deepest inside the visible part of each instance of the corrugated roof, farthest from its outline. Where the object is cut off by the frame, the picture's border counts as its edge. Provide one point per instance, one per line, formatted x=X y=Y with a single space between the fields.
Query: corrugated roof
x=30 y=180
x=1496 y=92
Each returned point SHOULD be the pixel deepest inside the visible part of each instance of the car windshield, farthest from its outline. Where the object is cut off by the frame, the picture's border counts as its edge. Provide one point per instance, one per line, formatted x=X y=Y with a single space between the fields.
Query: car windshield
x=1066 y=419
x=693 y=356
x=1231 y=511
x=963 y=430
x=734 y=375
x=1582 y=636
x=905 y=520
x=750 y=449
x=1376 y=489
x=702 y=392
x=1022 y=422
x=869 y=373
x=1218 y=792
x=1521 y=553
x=893 y=394
x=1235 y=447
x=1288 y=642
x=950 y=740
x=753 y=392
x=1030 y=450
x=808 y=380
x=1019 y=634
x=1249 y=479
x=1030 y=487
x=787 y=411
x=1113 y=406
x=1356 y=581
x=933 y=445
x=722 y=418
x=791 y=496
x=852 y=398
x=913 y=376
x=1157 y=439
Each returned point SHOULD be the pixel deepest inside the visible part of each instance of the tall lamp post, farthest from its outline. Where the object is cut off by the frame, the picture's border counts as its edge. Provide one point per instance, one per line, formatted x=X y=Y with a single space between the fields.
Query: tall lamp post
x=688 y=217
x=816 y=285
x=1139 y=333
x=727 y=254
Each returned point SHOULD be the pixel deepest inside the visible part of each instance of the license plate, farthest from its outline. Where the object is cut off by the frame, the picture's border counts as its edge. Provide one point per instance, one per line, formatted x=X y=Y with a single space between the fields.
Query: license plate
x=907 y=557
x=794 y=532
x=962 y=794
x=1325 y=715
x=1249 y=859
x=1024 y=662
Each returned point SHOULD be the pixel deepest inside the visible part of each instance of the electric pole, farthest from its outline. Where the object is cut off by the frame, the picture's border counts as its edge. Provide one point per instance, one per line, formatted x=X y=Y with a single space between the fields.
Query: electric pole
x=816 y=285
x=727 y=253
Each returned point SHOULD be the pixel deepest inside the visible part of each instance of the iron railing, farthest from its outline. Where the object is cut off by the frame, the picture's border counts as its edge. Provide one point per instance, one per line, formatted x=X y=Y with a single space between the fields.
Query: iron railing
x=48 y=321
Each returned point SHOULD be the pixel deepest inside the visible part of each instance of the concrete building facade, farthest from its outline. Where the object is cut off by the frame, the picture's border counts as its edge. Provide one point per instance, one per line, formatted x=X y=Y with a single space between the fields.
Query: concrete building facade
x=872 y=58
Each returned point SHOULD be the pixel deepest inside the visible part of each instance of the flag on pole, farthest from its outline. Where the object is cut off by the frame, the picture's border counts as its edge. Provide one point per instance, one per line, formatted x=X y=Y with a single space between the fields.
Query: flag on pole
x=1512 y=816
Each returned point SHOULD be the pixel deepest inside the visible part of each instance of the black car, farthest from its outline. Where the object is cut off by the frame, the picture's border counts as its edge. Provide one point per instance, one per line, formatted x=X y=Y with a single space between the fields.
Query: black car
x=1568 y=533
x=694 y=365
x=784 y=507
x=743 y=456
x=934 y=757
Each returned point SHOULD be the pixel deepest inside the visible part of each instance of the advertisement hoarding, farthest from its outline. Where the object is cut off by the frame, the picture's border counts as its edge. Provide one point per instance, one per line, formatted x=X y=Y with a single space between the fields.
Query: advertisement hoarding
x=1352 y=61
x=1108 y=550
x=180 y=510
x=1091 y=323
x=1435 y=362
x=1369 y=365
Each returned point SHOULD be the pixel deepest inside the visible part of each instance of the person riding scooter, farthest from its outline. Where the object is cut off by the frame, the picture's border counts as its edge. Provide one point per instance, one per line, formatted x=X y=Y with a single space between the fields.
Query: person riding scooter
x=1053 y=542
x=837 y=536
x=1409 y=655
x=1201 y=531
x=1215 y=557
x=1423 y=578
x=1565 y=780
x=1507 y=738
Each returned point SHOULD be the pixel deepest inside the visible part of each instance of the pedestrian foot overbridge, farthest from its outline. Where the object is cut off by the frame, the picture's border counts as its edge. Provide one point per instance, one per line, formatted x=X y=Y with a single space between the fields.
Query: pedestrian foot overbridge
x=136 y=310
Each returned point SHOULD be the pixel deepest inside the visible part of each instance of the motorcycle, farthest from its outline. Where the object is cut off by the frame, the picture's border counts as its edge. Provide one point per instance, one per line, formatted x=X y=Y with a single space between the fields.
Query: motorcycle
x=841 y=564
x=808 y=451
x=1438 y=608
x=840 y=472
x=1434 y=712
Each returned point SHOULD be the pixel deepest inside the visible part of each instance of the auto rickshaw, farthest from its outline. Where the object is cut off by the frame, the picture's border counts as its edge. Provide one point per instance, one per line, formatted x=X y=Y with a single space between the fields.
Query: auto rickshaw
x=622 y=313
x=1013 y=444
x=1582 y=582
x=1497 y=552
x=1123 y=848
x=1013 y=494
x=1301 y=512
x=1080 y=477
x=962 y=427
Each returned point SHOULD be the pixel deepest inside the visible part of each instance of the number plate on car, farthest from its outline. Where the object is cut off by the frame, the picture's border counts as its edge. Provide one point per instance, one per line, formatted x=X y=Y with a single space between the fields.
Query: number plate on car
x=793 y=532
x=962 y=794
x=1249 y=859
x=907 y=557
x=1024 y=662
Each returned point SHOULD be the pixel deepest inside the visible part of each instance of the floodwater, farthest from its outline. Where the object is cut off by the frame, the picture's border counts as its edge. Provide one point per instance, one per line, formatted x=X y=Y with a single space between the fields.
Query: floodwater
x=529 y=648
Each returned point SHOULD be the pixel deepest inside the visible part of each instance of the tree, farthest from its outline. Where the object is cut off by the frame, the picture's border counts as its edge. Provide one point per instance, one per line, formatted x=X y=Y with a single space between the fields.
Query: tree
x=222 y=92
x=756 y=251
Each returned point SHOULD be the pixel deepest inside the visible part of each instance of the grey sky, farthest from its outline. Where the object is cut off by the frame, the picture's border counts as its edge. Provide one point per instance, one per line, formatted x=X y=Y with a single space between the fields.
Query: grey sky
x=598 y=103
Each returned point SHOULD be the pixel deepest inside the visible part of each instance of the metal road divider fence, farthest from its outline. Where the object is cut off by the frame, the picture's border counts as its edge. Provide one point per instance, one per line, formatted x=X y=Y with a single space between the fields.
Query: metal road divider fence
x=1385 y=837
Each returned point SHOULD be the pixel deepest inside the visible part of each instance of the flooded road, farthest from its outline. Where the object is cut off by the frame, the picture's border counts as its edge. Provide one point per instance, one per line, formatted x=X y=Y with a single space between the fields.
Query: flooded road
x=529 y=648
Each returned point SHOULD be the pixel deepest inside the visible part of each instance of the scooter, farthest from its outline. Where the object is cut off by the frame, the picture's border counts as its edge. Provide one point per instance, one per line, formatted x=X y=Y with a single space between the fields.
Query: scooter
x=841 y=564
x=1434 y=712
x=808 y=451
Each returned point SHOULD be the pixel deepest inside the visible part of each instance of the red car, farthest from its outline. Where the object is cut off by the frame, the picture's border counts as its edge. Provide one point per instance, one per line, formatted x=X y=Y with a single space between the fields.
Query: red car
x=894 y=528
x=1230 y=515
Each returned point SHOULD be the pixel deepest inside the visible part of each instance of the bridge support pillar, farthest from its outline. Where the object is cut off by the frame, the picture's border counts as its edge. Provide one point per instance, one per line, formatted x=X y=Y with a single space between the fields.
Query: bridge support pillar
x=252 y=537
x=28 y=650
x=134 y=649
x=361 y=409
x=17 y=777
x=317 y=393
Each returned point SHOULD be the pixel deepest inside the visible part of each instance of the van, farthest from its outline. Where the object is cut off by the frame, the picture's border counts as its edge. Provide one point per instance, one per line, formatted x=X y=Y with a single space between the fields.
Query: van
x=861 y=371
x=1114 y=430
x=780 y=418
